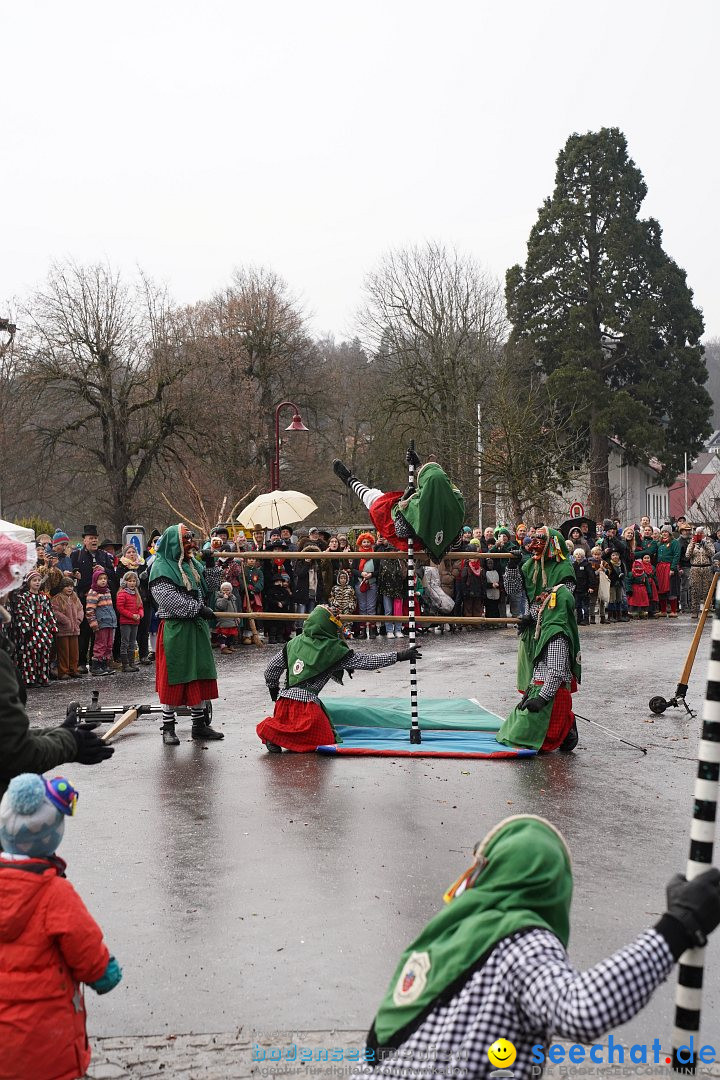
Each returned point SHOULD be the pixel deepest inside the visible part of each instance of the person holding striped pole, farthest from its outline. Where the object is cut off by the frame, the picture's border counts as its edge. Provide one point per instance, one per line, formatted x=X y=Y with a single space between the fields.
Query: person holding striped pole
x=688 y=996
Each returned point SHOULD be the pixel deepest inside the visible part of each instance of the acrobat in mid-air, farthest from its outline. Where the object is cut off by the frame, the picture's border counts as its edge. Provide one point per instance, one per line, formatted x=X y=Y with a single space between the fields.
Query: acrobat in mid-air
x=431 y=511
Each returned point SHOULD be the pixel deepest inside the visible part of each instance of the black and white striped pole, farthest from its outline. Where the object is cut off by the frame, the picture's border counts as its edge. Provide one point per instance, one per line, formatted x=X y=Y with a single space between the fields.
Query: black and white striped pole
x=688 y=995
x=415 y=737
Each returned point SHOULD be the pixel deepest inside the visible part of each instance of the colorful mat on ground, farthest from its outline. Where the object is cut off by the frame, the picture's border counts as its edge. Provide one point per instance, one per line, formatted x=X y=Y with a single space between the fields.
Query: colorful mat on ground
x=450 y=727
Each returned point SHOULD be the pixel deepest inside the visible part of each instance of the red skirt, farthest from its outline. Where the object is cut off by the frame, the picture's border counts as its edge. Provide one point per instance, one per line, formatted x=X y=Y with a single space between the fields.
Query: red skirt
x=301 y=726
x=190 y=693
x=662 y=576
x=638 y=597
x=383 y=521
x=562 y=718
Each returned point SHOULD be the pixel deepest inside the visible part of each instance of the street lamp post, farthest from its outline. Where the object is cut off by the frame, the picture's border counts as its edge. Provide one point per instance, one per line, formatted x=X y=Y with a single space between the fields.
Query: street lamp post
x=295 y=425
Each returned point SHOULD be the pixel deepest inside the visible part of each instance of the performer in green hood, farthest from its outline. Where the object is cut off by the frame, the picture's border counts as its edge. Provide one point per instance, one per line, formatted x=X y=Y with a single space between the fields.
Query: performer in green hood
x=488 y=983
x=549 y=660
x=185 y=672
x=431 y=512
x=299 y=721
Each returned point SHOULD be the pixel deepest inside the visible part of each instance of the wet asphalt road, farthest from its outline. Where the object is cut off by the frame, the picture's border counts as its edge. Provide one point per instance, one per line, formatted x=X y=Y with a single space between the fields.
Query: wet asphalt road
x=242 y=888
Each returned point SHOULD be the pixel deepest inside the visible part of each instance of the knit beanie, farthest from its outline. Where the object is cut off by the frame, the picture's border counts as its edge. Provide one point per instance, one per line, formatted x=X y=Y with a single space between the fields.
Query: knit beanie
x=16 y=559
x=60 y=537
x=124 y=579
x=32 y=814
x=98 y=572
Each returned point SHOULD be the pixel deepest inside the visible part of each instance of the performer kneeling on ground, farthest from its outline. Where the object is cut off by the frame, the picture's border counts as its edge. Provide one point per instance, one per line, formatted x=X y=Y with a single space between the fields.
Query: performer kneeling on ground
x=549 y=658
x=185 y=672
x=493 y=964
x=432 y=511
x=299 y=721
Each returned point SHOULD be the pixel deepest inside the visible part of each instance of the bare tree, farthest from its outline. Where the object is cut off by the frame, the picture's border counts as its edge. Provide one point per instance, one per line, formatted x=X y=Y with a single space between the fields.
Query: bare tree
x=434 y=319
x=108 y=367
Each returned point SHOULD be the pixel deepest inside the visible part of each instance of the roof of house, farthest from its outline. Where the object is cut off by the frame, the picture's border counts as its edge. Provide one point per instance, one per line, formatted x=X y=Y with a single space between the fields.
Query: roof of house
x=697 y=482
x=706 y=462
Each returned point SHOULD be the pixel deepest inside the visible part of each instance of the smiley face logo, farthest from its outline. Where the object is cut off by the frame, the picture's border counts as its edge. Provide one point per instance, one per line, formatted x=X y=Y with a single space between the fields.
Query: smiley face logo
x=501 y=1054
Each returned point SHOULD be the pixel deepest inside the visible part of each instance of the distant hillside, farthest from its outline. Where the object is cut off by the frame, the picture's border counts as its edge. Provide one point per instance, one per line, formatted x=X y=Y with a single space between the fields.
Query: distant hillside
x=712 y=360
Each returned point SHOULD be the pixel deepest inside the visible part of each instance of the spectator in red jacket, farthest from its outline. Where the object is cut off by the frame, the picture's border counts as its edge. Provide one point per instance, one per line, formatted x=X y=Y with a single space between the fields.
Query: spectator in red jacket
x=130 y=609
x=49 y=942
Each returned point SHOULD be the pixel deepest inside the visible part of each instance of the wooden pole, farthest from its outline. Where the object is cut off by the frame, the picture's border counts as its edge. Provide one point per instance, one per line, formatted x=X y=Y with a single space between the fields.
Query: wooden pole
x=394 y=554
x=682 y=686
x=688 y=995
x=459 y=620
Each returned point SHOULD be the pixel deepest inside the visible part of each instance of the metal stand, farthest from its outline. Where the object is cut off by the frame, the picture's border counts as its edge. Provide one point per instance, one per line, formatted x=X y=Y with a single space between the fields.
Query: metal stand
x=415 y=736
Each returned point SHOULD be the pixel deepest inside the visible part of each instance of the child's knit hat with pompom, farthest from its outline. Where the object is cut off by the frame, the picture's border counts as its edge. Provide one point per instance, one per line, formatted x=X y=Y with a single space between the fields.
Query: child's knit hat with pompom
x=32 y=814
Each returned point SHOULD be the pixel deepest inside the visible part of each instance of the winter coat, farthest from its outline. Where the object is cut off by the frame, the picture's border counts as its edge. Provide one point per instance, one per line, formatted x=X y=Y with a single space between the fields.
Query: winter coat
x=34 y=620
x=306 y=573
x=447 y=577
x=129 y=604
x=473 y=585
x=86 y=561
x=435 y=592
x=22 y=750
x=391 y=578
x=345 y=599
x=585 y=577
x=49 y=945
x=100 y=611
x=700 y=553
x=68 y=614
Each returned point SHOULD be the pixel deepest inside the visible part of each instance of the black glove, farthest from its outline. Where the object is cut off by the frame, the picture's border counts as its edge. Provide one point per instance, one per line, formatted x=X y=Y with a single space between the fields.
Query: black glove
x=206 y=612
x=515 y=559
x=535 y=704
x=695 y=905
x=91 y=750
x=71 y=719
x=274 y=692
x=413 y=653
x=412 y=459
x=208 y=558
x=524 y=623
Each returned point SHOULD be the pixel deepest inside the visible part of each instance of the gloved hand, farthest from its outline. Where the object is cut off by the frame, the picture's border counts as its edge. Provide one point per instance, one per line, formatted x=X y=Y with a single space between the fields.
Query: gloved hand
x=695 y=905
x=91 y=750
x=274 y=692
x=109 y=979
x=413 y=653
x=515 y=559
x=208 y=558
x=535 y=704
x=524 y=623
x=411 y=458
x=71 y=719
x=206 y=612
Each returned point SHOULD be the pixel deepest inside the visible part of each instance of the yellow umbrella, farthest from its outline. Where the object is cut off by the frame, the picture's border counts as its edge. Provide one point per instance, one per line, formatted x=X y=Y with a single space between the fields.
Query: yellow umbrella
x=275 y=509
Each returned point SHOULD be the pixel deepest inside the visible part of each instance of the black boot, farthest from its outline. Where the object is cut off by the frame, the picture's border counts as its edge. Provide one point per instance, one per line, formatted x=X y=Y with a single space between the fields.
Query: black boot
x=201 y=729
x=273 y=747
x=341 y=471
x=571 y=739
x=96 y=667
x=125 y=665
x=168 y=733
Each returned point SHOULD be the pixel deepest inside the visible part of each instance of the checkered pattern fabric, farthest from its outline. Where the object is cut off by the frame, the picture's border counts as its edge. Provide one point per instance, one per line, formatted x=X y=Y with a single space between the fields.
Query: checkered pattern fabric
x=529 y=993
x=311 y=690
x=176 y=603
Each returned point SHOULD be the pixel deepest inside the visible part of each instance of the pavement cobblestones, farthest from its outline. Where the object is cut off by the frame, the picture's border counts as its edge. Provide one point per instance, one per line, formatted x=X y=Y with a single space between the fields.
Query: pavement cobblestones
x=219 y=1056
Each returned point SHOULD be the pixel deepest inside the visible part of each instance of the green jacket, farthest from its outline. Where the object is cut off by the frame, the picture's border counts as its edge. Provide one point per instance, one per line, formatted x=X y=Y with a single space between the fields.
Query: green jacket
x=22 y=750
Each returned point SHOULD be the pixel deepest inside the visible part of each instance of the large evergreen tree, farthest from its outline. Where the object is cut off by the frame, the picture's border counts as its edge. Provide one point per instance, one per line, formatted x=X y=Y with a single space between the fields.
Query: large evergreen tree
x=609 y=315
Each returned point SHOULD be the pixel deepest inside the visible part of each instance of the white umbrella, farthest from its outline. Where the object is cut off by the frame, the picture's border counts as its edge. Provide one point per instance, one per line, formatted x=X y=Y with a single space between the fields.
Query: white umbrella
x=17 y=532
x=275 y=509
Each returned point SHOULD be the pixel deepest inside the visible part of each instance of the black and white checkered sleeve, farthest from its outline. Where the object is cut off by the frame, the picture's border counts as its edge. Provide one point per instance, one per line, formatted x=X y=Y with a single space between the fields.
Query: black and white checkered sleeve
x=554 y=667
x=369 y=661
x=275 y=668
x=172 y=602
x=551 y=995
x=513 y=582
x=215 y=577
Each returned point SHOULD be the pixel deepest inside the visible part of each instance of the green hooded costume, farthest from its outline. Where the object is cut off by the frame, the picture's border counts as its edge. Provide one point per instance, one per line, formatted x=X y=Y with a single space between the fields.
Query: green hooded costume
x=525 y=883
x=188 y=652
x=317 y=649
x=435 y=512
x=528 y=729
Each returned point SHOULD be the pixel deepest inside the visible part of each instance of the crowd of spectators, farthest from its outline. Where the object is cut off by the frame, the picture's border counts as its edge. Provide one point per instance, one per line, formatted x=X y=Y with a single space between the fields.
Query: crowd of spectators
x=88 y=608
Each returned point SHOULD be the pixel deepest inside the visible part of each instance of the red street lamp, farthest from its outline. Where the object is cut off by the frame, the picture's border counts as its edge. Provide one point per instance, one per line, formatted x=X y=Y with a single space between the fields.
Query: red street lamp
x=296 y=425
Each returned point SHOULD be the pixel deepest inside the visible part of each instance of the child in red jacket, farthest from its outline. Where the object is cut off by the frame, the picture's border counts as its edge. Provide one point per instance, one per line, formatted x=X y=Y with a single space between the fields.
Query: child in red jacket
x=49 y=942
x=129 y=607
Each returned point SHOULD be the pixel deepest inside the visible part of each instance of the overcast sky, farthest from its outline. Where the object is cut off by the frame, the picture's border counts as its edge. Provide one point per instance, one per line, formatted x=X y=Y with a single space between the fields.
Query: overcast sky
x=310 y=136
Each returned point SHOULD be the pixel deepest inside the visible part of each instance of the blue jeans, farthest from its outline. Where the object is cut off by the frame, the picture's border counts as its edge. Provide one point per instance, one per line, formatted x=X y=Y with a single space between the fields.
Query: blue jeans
x=388 y=610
